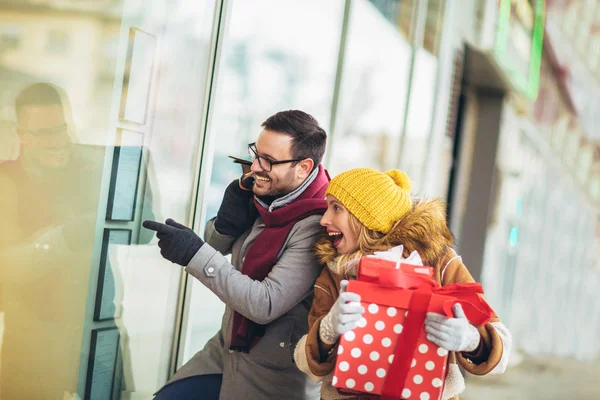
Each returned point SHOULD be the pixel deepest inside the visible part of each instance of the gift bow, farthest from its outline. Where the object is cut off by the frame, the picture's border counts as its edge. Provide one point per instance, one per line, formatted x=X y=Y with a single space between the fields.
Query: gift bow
x=476 y=309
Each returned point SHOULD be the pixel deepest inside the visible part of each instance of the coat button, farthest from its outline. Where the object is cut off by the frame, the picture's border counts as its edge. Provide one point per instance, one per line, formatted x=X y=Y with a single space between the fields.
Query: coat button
x=282 y=344
x=211 y=270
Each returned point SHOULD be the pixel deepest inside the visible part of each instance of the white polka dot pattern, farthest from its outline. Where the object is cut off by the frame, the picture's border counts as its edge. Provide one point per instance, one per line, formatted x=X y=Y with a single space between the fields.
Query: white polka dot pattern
x=349 y=336
x=366 y=353
x=398 y=329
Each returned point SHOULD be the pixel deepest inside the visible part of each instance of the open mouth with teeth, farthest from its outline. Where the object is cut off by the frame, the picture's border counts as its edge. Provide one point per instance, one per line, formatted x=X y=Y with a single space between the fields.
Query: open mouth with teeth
x=335 y=236
x=261 y=179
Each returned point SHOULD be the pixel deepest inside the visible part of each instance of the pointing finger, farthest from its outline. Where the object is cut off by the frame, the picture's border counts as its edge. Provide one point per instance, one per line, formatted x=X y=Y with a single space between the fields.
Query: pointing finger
x=157 y=226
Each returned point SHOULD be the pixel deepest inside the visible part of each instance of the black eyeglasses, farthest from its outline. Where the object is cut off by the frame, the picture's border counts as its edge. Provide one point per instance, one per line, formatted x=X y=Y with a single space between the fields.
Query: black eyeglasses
x=265 y=163
x=44 y=132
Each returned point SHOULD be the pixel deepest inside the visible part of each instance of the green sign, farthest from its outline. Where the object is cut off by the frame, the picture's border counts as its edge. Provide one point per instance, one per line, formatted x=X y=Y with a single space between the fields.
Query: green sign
x=519 y=40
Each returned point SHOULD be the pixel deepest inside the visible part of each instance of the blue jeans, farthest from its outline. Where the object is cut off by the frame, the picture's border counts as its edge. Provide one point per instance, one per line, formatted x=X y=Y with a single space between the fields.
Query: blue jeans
x=199 y=387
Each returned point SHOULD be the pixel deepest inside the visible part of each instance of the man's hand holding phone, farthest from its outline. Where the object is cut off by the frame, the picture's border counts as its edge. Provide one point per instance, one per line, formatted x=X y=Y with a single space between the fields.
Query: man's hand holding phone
x=237 y=212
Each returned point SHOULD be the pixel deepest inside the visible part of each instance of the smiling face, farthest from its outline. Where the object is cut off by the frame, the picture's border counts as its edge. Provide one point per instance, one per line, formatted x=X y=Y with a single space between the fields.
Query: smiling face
x=337 y=221
x=44 y=135
x=283 y=178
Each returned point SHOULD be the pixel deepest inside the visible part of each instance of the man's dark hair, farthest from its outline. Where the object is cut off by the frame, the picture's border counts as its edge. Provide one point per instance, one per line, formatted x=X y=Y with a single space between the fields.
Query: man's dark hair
x=308 y=138
x=38 y=94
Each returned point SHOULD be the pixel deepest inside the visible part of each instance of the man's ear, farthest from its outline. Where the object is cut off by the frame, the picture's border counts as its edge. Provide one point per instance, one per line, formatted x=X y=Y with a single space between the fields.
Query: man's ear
x=305 y=167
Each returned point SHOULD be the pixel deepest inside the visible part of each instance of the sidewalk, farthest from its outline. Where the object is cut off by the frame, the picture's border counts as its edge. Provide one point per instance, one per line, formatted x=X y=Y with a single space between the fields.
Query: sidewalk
x=540 y=378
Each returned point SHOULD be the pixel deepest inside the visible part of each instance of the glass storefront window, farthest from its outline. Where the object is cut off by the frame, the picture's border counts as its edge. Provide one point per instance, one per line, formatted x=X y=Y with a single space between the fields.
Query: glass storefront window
x=373 y=88
x=434 y=24
x=269 y=62
x=400 y=13
x=422 y=100
x=107 y=136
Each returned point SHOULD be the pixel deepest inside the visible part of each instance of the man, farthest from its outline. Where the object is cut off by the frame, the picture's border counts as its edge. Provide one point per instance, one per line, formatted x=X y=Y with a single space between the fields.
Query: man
x=48 y=206
x=268 y=221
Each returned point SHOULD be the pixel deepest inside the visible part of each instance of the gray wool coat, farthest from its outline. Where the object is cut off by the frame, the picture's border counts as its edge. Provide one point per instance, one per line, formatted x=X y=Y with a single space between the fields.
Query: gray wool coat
x=281 y=301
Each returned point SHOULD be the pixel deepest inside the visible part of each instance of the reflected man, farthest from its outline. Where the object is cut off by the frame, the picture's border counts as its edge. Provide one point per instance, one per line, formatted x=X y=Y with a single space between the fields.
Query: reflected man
x=48 y=206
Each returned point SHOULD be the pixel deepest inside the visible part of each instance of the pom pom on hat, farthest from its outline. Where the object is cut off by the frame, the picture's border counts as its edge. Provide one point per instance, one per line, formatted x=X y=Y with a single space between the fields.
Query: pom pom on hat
x=375 y=198
x=400 y=178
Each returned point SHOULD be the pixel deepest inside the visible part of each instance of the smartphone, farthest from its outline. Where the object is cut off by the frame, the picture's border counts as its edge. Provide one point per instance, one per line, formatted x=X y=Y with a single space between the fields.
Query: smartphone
x=246 y=164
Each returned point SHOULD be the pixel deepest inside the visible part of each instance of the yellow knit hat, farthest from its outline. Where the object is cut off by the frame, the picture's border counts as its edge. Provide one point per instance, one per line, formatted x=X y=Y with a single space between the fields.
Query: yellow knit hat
x=375 y=198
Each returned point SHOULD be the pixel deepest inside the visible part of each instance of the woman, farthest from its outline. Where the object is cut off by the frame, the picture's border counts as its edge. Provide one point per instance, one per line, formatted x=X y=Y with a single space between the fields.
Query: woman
x=372 y=211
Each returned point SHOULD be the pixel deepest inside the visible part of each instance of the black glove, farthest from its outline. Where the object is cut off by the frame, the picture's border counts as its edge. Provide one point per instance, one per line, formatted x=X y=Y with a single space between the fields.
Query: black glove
x=177 y=242
x=237 y=212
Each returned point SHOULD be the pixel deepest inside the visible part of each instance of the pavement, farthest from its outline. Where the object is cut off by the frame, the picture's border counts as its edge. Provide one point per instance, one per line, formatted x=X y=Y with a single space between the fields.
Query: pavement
x=543 y=378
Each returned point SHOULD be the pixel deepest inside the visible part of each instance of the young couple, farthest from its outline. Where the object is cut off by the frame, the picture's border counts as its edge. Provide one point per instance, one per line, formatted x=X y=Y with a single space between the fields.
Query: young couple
x=294 y=239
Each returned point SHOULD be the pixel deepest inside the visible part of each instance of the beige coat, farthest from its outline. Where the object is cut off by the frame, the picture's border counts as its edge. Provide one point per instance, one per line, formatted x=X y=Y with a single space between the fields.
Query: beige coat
x=448 y=269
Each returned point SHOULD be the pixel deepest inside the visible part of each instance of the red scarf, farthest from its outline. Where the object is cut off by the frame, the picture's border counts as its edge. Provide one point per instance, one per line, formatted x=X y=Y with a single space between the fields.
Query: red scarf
x=263 y=252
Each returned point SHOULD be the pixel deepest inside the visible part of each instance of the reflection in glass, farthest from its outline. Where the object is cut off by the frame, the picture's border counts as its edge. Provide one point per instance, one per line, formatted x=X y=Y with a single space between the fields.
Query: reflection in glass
x=49 y=202
x=373 y=88
x=62 y=70
x=422 y=101
x=420 y=117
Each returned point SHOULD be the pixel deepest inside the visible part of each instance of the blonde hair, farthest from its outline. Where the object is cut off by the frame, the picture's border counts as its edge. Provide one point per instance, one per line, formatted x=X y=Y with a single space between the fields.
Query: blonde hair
x=416 y=231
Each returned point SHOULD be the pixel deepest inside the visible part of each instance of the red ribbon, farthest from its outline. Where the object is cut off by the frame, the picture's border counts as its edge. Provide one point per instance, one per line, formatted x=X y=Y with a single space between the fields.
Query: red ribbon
x=405 y=348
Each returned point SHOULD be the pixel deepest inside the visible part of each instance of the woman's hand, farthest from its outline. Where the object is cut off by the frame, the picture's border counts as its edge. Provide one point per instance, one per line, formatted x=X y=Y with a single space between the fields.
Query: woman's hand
x=452 y=334
x=343 y=316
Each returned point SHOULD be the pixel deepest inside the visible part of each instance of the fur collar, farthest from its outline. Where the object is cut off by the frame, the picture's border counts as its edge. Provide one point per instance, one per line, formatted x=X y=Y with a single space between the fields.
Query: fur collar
x=424 y=229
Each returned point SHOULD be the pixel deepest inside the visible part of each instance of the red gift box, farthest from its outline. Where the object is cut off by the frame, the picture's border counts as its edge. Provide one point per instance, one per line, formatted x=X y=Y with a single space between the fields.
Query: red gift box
x=388 y=354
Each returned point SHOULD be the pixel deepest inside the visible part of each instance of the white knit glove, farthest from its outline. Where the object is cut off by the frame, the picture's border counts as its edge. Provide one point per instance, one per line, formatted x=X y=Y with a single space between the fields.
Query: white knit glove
x=452 y=334
x=343 y=316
